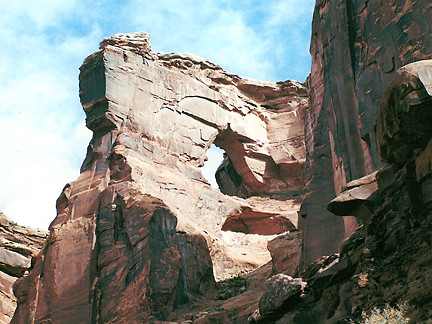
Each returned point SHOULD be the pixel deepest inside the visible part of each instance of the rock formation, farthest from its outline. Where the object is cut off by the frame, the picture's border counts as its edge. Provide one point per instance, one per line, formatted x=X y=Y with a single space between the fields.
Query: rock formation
x=141 y=232
x=141 y=236
x=18 y=246
x=358 y=198
x=356 y=48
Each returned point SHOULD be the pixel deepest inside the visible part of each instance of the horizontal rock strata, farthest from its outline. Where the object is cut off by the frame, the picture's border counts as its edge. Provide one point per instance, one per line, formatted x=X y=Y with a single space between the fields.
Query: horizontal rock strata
x=18 y=246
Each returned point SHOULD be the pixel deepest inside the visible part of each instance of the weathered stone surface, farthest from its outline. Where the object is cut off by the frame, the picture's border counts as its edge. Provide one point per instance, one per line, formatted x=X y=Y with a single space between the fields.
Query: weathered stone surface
x=140 y=232
x=18 y=245
x=233 y=310
x=281 y=167
x=265 y=216
x=404 y=121
x=281 y=292
x=13 y=263
x=285 y=251
x=141 y=209
x=334 y=269
x=356 y=48
x=387 y=260
x=278 y=165
x=7 y=298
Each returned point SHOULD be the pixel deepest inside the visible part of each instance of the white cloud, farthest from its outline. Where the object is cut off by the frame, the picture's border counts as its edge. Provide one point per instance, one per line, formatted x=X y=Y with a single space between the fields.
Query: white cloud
x=39 y=13
x=238 y=47
x=288 y=12
x=40 y=141
x=250 y=38
x=38 y=165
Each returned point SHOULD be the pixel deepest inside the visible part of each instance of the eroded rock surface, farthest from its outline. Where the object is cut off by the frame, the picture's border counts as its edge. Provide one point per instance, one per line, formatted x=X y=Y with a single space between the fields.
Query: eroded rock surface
x=18 y=245
x=356 y=48
x=358 y=198
x=141 y=233
x=388 y=259
x=280 y=293
x=404 y=122
x=285 y=252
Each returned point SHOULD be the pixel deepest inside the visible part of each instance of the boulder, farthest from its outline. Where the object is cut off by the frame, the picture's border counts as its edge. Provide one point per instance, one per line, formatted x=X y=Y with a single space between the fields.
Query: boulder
x=285 y=251
x=281 y=293
x=359 y=198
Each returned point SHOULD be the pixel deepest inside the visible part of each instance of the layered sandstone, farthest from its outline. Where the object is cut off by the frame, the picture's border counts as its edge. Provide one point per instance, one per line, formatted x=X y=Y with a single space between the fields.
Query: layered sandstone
x=141 y=232
x=356 y=48
x=18 y=246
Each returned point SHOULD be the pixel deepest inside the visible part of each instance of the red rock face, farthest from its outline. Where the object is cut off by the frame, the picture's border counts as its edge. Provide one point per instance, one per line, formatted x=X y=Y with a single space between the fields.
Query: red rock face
x=356 y=48
x=141 y=232
x=278 y=168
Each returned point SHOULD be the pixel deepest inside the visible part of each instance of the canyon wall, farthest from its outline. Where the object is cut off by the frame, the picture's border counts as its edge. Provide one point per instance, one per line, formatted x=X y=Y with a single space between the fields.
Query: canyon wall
x=383 y=271
x=141 y=232
x=356 y=48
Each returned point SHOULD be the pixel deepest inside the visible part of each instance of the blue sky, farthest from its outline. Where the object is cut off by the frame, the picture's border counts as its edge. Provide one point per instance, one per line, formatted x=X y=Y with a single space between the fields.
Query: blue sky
x=44 y=42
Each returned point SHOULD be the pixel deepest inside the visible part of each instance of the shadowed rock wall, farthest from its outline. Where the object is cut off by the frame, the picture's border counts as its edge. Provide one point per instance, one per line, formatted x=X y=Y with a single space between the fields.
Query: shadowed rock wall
x=387 y=261
x=356 y=48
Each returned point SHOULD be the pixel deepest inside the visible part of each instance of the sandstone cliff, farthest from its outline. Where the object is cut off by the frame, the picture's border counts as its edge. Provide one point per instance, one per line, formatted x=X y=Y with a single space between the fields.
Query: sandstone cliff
x=18 y=246
x=356 y=48
x=141 y=232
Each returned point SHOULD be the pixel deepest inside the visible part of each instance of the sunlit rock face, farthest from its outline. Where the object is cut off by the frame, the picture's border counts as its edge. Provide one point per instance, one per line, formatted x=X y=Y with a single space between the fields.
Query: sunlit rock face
x=18 y=246
x=356 y=48
x=141 y=232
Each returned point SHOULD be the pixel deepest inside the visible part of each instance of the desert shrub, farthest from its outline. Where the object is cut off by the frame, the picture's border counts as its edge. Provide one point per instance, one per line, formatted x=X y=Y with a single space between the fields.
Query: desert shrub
x=387 y=315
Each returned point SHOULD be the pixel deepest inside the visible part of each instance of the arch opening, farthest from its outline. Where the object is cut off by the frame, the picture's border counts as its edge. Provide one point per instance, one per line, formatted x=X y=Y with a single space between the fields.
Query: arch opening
x=215 y=156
